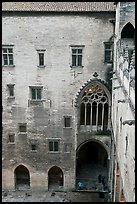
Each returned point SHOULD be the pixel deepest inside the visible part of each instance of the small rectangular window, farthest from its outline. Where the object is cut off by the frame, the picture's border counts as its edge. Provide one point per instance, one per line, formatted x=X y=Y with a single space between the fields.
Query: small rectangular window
x=33 y=147
x=11 y=138
x=67 y=121
x=77 y=57
x=7 y=56
x=41 y=56
x=53 y=146
x=41 y=59
x=22 y=128
x=36 y=93
x=11 y=89
x=108 y=52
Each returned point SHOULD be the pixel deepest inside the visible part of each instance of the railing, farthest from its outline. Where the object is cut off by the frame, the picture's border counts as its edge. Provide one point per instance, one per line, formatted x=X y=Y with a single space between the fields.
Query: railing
x=88 y=184
x=97 y=130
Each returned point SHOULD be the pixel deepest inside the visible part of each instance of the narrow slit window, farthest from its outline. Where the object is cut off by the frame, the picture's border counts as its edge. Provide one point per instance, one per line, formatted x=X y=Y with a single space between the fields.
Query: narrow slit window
x=11 y=138
x=10 y=90
x=82 y=114
x=41 y=58
x=88 y=114
x=108 y=52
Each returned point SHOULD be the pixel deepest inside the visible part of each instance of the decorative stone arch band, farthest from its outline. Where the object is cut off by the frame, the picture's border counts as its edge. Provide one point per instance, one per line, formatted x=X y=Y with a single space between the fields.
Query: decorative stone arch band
x=93 y=101
x=100 y=82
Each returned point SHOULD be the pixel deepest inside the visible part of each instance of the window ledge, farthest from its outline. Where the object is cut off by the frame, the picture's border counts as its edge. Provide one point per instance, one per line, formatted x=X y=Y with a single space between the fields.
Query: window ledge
x=34 y=151
x=35 y=102
x=11 y=97
x=11 y=143
x=41 y=67
x=67 y=127
x=22 y=133
x=8 y=65
x=52 y=152
x=76 y=66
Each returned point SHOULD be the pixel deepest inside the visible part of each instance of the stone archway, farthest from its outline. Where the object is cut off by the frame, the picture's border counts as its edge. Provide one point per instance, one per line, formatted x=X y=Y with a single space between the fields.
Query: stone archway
x=22 y=178
x=92 y=161
x=55 y=178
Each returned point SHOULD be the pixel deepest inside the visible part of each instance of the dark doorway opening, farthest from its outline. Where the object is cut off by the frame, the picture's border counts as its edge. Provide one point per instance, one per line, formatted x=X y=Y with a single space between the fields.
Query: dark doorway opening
x=92 y=163
x=22 y=178
x=55 y=179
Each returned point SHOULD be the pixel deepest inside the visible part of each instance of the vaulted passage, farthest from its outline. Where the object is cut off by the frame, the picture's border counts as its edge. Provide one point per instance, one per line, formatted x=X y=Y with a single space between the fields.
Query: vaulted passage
x=55 y=178
x=22 y=178
x=92 y=163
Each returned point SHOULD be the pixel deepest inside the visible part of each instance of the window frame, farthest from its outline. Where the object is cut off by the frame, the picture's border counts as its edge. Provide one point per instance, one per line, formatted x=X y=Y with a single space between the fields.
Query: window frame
x=53 y=141
x=41 y=51
x=77 y=54
x=9 y=140
x=23 y=125
x=35 y=149
x=70 y=122
x=36 y=94
x=110 y=50
x=9 y=91
x=8 y=55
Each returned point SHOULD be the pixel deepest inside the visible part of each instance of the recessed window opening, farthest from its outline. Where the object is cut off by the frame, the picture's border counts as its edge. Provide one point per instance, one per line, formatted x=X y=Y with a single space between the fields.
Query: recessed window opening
x=67 y=121
x=41 y=56
x=33 y=147
x=7 y=56
x=76 y=57
x=36 y=93
x=22 y=128
x=108 y=52
x=11 y=138
x=11 y=89
x=53 y=146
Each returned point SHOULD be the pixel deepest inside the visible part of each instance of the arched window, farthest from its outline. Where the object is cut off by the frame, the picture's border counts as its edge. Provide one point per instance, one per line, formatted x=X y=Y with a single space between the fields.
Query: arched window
x=94 y=108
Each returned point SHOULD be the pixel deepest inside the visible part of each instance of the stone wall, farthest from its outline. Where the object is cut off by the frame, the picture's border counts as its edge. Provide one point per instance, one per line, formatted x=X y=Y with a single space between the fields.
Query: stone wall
x=60 y=82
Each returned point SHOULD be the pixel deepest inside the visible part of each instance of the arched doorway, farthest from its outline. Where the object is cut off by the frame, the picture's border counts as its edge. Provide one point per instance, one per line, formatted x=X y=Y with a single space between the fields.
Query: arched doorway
x=128 y=38
x=92 y=166
x=55 y=178
x=22 y=178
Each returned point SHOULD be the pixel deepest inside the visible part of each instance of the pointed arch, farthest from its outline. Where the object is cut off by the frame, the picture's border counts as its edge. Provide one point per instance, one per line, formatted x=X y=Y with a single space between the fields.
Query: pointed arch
x=128 y=31
x=122 y=199
x=22 y=178
x=55 y=178
x=94 y=102
x=92 y=159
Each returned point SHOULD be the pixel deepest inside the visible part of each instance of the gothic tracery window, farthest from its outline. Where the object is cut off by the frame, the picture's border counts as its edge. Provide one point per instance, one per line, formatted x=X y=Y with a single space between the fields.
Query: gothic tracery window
x=94 y=108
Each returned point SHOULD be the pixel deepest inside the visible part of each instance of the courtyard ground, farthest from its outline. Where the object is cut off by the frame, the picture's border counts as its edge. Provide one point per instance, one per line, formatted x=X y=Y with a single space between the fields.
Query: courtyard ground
x=47 y=196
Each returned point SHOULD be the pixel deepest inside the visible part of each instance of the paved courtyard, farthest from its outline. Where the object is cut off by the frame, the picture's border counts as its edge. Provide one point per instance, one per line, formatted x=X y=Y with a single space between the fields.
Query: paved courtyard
x=47 y=196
